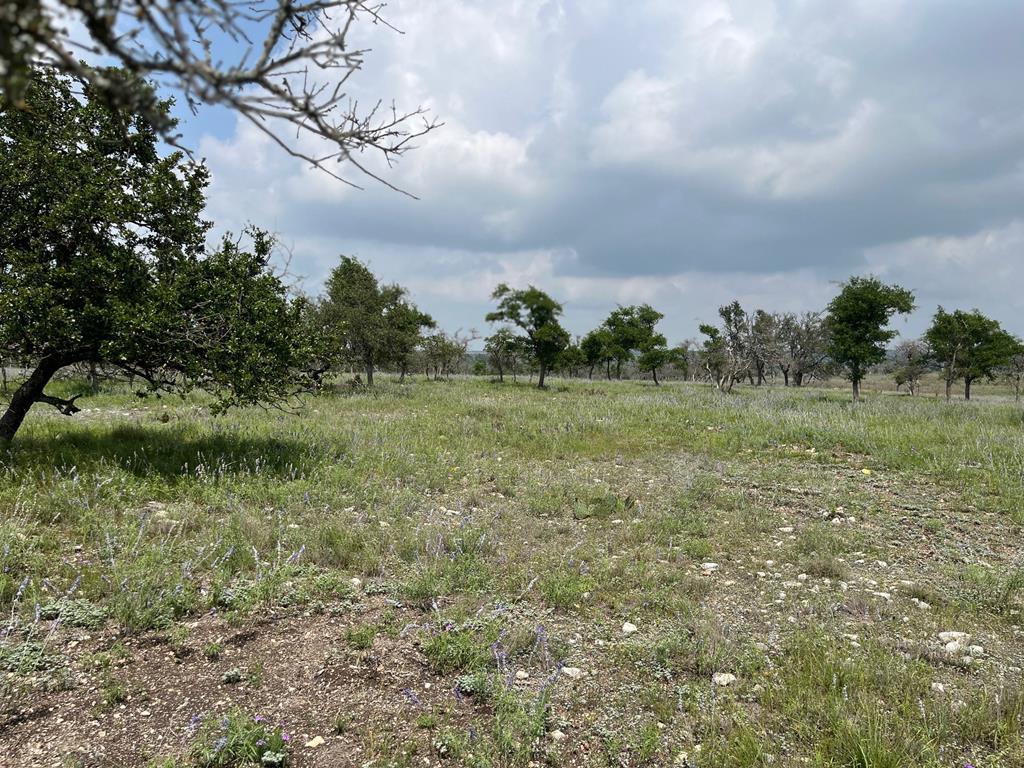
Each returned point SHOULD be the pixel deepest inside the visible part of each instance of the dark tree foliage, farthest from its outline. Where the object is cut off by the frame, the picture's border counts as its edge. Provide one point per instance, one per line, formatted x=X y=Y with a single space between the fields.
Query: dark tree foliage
x=631 y=331
x=857 y=324
x=536 y=314
x=366 y=323
x=102 y=260
x=969 y=346
x=596 y=348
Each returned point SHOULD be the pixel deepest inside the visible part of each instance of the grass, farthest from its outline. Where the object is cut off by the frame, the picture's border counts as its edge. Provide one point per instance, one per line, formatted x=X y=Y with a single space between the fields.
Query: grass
x=478 y=531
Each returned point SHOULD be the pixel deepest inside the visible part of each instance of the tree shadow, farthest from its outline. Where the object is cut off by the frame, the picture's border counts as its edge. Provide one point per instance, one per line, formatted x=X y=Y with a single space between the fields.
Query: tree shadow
x=170 y=452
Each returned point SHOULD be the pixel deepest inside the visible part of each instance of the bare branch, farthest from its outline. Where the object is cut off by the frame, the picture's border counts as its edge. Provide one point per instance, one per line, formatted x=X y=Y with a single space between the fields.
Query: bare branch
x=288 y=75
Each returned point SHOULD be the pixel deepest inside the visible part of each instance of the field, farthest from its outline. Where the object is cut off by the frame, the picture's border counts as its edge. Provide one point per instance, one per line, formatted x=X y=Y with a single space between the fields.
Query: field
x=466 y=573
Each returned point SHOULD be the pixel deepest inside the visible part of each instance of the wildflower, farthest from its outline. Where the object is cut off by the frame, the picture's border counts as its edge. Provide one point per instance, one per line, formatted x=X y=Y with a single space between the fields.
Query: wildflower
x=286 y=737
x=220 y=743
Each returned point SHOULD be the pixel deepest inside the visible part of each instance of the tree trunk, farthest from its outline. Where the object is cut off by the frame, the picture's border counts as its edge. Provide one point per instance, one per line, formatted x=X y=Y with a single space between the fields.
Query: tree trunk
x=94 y=378
x=540 y=376
x=949 y=389
x=654 y=373
x=608 y=369
x=785 y=376
x=3 y=368
x=967 y=387
x=369 y=374
x=618 y=369
x=856 y=390
x=25 y=396
x=590 y=374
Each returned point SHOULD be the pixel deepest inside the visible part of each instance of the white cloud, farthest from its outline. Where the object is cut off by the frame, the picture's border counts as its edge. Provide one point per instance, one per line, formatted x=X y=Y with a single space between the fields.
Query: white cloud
x=679 y=153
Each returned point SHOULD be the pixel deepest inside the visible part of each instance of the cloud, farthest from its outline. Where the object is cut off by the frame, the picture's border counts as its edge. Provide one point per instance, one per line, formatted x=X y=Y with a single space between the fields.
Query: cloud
x=679 y=153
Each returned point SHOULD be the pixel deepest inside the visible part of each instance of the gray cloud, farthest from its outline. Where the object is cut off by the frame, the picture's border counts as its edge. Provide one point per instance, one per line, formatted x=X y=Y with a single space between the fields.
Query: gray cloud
x=686 y=153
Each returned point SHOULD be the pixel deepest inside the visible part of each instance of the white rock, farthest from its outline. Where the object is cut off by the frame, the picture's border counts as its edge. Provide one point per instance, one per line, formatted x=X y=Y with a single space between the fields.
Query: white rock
x=976 y=651
x=723 y=678
x=558 y=736
x=948 y=636
x=355 y=582
x=938 y=688
x=801 y=577
x=709 y=567
x=573 y=673
x=953 y=646
x=628 y=628
x=316 y=741
x=522 y=674
x=786 y=529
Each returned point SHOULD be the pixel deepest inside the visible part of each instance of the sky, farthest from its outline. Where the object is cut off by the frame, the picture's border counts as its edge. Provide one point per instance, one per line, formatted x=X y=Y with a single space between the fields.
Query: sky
x=683 y=154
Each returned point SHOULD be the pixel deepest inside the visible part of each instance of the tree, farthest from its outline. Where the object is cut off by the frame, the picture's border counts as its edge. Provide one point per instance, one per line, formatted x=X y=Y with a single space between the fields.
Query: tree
x=596 y=350
x=281 y=65
x=536 y=314
x=1015 y=370
x=911 y=363
x=715 y=358
x=366 y=323
x=857 y=324
x=803 y=342
x=403 y=332
x=969 y=346
x=444 y=354
x=571 y=359
x=654 y=354
x=630 y=330
x=501 y=348
x=765 y=344
x=102 y=260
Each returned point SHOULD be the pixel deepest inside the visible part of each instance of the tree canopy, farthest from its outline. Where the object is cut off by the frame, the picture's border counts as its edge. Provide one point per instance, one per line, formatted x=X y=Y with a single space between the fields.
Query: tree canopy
x=366 y=323
x=857 y=324
x=969 y=346
x=102 y=259
x=536 y=314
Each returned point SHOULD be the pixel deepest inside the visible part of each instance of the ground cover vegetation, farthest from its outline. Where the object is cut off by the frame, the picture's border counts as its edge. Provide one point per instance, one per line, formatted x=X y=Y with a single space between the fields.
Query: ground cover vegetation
x=472 y=573
x=335 y=547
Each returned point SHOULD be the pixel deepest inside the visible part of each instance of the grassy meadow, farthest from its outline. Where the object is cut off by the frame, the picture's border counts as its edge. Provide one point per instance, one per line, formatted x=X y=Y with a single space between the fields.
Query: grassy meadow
x=467 y=573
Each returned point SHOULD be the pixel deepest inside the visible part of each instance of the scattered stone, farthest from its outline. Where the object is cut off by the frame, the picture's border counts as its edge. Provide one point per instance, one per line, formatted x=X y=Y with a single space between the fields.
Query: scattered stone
x=786 y=529
x=316 y=741
x=557 y=735
x=522 y=674
x=920 y=604
x=953 y=646
x=355 y=582
x=976 y=651
x=573 y=673
x=723 y=678
x=628 y=629
x=938 y=688
x=946 y=637
x=709 y=567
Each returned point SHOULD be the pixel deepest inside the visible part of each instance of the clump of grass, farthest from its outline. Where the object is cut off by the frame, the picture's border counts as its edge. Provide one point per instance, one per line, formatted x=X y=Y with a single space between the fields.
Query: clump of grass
x=826 y=567
x=238 y=739
x=450 y=649
x=213 y=650
x=360 y=638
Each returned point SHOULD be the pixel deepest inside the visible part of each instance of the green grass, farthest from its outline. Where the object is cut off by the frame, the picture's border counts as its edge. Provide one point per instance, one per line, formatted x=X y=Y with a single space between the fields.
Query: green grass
x=497 y=529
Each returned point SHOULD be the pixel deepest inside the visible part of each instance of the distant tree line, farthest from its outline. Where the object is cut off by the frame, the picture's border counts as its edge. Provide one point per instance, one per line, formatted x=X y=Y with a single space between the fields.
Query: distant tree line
x=105 y=271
